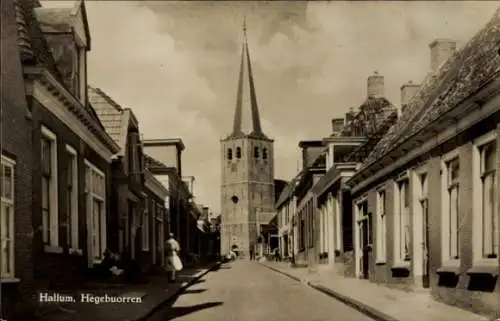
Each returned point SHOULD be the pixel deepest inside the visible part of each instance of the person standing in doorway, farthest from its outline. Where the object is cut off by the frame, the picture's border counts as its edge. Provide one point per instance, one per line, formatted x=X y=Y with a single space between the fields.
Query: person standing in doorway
x=172 y=249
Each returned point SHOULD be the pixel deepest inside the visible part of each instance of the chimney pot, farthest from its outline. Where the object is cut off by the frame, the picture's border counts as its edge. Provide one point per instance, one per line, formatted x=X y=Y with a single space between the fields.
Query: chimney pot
x=375 y=86
x=408 y=91
x=337 y=126
x=441 y=51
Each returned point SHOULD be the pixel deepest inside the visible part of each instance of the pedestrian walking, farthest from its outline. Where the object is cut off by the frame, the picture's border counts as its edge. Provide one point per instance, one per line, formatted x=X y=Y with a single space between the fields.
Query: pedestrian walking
x=173 y=261
x=251 y=254
x=277 y=254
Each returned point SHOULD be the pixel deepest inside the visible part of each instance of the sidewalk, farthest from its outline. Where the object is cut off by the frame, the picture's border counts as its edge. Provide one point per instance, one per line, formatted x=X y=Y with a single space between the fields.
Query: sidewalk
x=377 y=301
x=154 y=294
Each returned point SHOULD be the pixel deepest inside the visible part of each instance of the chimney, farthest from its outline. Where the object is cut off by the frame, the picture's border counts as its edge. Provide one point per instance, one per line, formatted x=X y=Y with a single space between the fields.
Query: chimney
x=206 y=214
x=408 y=91
x=337 y=126
x=349 y=116
x=376 y=85
x=441 y=50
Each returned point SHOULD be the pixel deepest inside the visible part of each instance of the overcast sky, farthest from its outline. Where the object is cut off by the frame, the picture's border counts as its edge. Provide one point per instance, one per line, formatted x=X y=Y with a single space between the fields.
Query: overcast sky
x=176 y=65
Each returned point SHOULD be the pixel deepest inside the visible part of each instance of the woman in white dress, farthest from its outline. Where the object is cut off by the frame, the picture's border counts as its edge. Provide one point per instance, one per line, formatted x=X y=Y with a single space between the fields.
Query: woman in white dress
x=173 y=261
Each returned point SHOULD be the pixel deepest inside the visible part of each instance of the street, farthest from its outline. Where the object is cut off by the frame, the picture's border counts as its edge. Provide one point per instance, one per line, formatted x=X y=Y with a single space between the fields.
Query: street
x=247 y=291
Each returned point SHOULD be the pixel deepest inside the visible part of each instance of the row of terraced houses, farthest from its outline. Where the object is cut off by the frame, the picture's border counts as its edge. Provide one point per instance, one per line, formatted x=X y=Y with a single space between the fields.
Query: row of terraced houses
x=77 y=178
x=408 y=196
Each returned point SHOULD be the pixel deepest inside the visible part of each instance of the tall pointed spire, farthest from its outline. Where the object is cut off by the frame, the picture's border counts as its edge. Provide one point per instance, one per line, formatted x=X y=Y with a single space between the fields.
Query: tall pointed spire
x=254 y=109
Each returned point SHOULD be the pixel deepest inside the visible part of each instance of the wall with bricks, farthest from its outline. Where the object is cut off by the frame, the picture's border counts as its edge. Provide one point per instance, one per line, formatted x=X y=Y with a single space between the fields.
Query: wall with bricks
x=447 y=285
x=55 y=270
x=15 y=133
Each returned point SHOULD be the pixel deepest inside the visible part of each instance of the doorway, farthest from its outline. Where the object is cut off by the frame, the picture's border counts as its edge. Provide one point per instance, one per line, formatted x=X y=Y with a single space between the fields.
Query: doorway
x=425 y=243
x=365 y=260
x=424 y=232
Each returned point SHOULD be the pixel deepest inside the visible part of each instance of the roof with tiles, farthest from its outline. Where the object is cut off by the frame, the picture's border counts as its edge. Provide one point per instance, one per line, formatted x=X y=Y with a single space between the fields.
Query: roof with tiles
x=32 y=43
x=33 y=46
x=112 y=116
x=476 y=64
x=372 y=112
x=55 y=18
x=288 y=190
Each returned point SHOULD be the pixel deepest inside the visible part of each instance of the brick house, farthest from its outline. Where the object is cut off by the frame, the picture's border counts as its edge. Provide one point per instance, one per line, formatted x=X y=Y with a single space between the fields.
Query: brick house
x=285 y=211
x=134 y=196
x=351 y=140
x=182 y=221
x=155 y=222
x=16 y=261
x=432 y=183
x=71 y=152
x=313 y=167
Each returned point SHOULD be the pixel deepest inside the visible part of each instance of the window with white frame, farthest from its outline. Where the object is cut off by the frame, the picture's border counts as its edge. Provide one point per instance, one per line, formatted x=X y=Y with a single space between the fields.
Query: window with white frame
x=381 y=227
x=95 y=195
x=7 y=189
x=365 y=224
x=159 y=219
x=488 y=208
x=50 y=213
x=145 y=224
x=72 y=198
x=402 y=221
x=451 y=201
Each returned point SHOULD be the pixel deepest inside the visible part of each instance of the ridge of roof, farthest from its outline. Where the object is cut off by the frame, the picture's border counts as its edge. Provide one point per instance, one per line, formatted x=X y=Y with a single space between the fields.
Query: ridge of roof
x=474 y=65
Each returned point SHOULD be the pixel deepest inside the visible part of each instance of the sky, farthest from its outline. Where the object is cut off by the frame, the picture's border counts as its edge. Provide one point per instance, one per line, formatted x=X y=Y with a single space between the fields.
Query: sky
x=175 y=64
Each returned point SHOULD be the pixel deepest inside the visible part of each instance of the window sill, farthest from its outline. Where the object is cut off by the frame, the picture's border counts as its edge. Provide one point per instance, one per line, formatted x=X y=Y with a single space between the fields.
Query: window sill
x=494 y=271
x=97 y=261
x=53 y=249
x=486 y=263
x=449 y=269
x=10 y=280
x=401 y=266
x=75 y=252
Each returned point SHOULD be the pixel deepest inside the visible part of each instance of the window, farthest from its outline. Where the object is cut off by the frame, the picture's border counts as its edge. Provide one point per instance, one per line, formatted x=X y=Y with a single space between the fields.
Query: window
x=311 y=223
x=486 y=222
x=238 y=152
x=72 y=198
x=452 y=200
x=450 y=168
x=365 y=224
x=50 y=219
x=302 y=232
x=256 y=152
x=95 y=195
x=7 y=189
x=264 y=153
x=159 y=218
x=145 y=224
x=402 y=221
x=381 y=227
x=229 y=153
x=76 y=73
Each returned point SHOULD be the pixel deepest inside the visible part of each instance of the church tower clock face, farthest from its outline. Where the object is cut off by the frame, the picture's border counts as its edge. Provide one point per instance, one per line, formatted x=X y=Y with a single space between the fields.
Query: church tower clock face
x=247 y=164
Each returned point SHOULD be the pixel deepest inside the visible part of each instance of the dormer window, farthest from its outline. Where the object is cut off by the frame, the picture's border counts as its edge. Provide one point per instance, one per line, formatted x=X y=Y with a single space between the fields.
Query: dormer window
x=229 y=153
x=256 y=152
x=238 y=152
x=264 y=153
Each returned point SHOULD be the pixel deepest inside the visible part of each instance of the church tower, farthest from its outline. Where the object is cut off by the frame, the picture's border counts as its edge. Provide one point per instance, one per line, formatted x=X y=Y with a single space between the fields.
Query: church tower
x=247 y=156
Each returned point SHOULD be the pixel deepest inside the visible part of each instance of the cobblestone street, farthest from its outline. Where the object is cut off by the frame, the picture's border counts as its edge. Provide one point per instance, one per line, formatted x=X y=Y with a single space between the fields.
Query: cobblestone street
x=248 y=291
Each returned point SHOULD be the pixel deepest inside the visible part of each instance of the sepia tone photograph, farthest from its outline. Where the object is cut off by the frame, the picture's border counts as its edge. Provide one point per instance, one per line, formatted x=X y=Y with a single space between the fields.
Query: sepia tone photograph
x=250 y=160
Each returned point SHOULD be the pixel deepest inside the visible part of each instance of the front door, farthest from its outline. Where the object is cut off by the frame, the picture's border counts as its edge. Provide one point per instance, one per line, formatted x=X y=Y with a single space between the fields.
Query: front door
x=425 y=242
x=364 y=246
